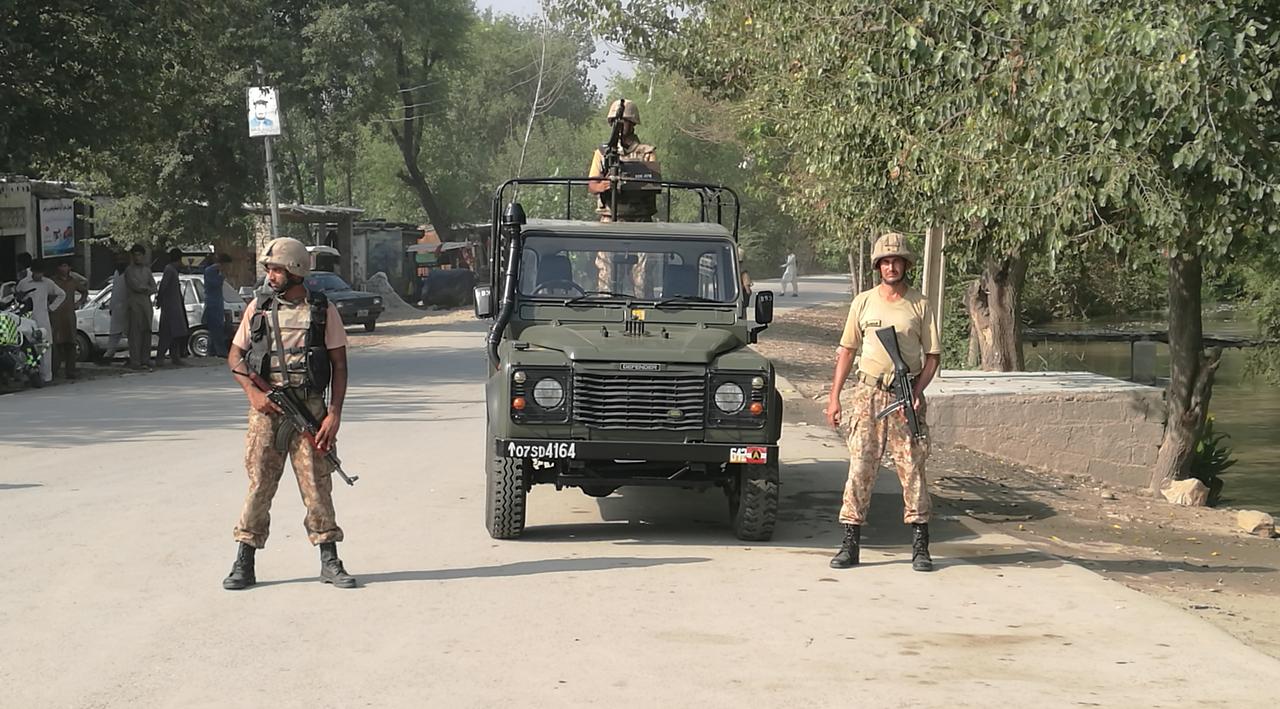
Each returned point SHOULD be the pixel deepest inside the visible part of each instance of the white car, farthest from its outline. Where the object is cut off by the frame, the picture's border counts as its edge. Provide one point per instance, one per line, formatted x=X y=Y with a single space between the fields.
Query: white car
x=93 y=321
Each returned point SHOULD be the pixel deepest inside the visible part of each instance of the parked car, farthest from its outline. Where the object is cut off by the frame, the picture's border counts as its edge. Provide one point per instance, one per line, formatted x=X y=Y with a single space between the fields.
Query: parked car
x=355 y=306
x=93 y=321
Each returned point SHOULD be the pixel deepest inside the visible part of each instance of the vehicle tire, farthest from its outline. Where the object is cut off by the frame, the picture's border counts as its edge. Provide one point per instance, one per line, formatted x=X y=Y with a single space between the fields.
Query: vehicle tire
x=598 y=490
x=200 y=343
x=753 y=500
x=504 y=494
x=84 y=348
x=369 y=326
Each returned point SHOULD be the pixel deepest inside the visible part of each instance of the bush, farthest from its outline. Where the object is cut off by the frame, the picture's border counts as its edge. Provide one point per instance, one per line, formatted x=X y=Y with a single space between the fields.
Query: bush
x=1212 y=458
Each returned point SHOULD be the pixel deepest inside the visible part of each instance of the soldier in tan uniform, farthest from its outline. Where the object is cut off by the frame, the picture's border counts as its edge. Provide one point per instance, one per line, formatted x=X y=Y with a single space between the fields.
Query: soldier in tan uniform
x=291 y=339
x=636 y=202
x=891 y=303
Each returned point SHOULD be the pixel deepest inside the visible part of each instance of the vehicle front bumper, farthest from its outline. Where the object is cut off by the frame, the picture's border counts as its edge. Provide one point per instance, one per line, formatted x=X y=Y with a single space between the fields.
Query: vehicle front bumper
x=547 y=450
x=351 y=314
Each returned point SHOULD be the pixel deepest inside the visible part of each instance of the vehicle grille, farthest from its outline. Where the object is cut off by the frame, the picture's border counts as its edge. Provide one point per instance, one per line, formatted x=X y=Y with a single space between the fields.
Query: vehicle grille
x=639 y=400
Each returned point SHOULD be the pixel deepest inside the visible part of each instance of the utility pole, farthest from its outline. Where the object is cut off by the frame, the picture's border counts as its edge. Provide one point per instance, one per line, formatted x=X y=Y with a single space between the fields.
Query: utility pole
x=271 y=170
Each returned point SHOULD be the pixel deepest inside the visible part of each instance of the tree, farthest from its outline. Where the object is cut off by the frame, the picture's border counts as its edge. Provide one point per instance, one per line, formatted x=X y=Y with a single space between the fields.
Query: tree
x=1021 y=126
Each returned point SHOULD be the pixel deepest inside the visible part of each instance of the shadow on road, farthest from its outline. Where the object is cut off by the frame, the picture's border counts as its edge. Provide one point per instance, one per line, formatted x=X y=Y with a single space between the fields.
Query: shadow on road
x=519 y=568
x=19 y=486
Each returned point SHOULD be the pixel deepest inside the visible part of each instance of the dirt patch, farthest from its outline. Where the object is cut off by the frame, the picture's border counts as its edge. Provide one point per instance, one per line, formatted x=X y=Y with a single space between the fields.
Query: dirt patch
x=1193 y=558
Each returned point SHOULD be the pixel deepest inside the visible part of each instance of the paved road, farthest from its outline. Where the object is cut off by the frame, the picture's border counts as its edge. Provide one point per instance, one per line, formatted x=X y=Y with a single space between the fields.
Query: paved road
x=117 y=499
x=829 y=289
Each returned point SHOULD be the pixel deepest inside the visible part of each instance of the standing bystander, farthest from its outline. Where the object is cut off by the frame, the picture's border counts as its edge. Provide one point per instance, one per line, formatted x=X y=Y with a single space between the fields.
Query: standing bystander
x=141 y=286
x=118 y=303
x=43 y=296
x=174 y=328
x=76 y=288
x=214 y=305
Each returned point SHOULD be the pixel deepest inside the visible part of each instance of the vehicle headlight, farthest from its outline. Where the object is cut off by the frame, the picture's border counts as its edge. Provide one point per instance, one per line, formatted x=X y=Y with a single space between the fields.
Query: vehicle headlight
x=548 y=393
x=377 y=301
x=730 y=398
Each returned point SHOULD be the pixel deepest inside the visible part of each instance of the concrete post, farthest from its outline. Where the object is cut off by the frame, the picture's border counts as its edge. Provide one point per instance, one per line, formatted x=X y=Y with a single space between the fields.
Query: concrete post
x=1143 y=358
x=934 y=271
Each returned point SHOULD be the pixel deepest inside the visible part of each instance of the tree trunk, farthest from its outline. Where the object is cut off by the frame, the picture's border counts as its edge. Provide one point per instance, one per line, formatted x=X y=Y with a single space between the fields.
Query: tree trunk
x=995 y=311
x=975 y=351
x=855 y=272
x=1191 y=372
x=409 y=139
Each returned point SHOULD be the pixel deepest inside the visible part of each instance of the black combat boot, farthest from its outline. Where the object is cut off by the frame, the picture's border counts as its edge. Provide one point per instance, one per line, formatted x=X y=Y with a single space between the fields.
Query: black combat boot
x=331 y=570
x=241 y=575
x=848 y=554
x=920 y=559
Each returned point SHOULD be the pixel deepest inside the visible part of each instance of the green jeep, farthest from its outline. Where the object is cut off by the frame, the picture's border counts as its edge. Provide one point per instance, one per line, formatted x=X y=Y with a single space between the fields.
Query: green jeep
x=618 y=356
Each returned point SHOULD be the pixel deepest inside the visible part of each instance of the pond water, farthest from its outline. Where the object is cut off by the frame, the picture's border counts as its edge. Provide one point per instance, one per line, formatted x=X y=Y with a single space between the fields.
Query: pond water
x=1247 y=409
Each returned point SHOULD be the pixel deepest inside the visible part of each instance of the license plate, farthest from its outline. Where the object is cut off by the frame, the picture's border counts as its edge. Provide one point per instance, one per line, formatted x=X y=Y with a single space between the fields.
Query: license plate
x=361 y=313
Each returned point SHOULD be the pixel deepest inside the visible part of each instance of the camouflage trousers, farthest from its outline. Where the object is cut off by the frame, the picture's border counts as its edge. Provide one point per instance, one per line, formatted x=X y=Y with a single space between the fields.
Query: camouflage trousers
x=636 y=284
x=868 y=441
x=265 y=449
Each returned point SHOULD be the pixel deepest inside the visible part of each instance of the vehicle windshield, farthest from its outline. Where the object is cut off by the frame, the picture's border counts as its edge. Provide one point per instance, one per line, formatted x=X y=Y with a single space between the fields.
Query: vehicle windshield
x=677 y=269
x=325 y=281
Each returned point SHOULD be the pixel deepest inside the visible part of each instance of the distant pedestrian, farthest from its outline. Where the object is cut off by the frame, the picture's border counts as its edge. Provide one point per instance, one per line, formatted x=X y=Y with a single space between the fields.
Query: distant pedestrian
x=791 y=274
x=894 y=304
x=214 y=305
x=118 y=303
x=76 y=288
x=141 y=286
x=174 y=328
x=44 y=297
x=24 y=266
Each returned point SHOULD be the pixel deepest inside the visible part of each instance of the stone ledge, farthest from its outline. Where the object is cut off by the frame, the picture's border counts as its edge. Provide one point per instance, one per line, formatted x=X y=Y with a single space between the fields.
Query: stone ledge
x=1074 y=423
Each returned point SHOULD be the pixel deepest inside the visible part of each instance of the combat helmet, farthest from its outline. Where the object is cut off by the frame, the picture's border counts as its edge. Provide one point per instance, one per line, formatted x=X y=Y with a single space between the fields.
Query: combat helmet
x=288 y=253
x=891 y=243
x=629 y=111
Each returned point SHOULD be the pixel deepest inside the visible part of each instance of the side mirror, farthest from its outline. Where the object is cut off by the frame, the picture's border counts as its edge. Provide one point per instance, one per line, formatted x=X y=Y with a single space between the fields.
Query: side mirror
x=764 y=307
x=484 y=302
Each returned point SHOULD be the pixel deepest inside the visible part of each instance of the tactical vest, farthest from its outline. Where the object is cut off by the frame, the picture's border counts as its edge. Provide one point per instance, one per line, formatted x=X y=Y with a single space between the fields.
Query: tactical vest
x=636 y=201
x=306 y=366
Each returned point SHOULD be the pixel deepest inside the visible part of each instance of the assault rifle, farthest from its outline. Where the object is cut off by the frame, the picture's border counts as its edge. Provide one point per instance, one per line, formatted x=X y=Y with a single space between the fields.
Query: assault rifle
x=302 y=420
x=612 y=165
x=905 y=397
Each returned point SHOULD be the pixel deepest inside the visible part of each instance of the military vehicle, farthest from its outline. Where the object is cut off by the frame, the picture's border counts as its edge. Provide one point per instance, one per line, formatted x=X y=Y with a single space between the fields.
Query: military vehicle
x=618 y=356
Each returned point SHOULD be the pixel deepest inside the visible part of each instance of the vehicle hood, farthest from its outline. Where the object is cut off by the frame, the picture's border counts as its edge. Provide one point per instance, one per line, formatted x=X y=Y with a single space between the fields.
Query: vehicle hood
x=684 y=345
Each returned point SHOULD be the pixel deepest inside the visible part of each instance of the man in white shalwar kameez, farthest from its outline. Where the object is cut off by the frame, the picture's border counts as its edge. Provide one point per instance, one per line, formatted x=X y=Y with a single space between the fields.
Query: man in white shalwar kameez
x=44 y=297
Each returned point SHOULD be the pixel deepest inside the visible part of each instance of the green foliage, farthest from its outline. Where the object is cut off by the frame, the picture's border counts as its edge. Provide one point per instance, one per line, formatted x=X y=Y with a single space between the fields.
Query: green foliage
x=1211 y=458
x=1080 y=283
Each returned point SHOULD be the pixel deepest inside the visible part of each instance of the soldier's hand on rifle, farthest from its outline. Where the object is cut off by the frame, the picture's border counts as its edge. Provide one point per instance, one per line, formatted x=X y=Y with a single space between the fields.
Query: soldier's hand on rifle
x=328 y=434
x=833 y=411
x=260 y=403
x=917 y=400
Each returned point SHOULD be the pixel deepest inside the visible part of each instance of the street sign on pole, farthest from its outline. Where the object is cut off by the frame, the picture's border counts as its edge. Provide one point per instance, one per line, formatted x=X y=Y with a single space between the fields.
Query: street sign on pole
x=264 y=121
x=264 y=112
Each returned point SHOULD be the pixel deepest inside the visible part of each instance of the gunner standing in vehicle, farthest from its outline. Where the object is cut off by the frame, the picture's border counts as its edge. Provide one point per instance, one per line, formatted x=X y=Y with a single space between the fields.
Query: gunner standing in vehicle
x=291 y=339
x=892 y=303
x=633 y=205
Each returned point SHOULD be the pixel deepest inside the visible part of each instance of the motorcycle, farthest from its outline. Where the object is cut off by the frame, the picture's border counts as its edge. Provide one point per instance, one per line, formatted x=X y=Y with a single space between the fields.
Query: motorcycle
x=22 y=341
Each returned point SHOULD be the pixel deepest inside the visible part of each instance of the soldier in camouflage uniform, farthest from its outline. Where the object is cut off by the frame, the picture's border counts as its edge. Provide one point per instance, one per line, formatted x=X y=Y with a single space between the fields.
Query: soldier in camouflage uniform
x=891 y=303
x=290 y=339
x=636 y=202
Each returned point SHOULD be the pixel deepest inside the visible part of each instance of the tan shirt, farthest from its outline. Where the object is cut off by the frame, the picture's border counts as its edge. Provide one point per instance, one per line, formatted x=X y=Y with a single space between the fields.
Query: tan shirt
x=909 y=315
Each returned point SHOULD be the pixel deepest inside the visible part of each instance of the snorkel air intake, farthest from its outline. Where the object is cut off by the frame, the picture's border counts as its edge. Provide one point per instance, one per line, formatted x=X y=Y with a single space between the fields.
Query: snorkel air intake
x=512 y=221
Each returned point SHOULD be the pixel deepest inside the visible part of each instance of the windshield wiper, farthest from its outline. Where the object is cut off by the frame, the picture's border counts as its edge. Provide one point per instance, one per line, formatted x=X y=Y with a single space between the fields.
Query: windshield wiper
x=592 y=293
x=686 y=299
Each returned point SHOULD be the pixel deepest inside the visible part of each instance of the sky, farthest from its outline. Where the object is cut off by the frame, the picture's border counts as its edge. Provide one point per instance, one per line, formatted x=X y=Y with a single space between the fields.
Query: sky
x=611 y=59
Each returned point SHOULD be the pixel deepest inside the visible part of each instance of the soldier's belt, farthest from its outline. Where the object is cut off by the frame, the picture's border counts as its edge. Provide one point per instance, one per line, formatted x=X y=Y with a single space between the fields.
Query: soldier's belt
x=883 y=384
